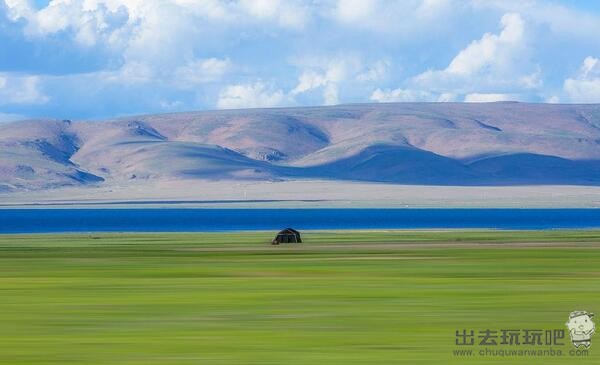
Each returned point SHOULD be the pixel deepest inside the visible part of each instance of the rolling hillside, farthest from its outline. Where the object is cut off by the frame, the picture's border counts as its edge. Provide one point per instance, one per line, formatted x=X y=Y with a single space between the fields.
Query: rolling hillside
x=405 y=143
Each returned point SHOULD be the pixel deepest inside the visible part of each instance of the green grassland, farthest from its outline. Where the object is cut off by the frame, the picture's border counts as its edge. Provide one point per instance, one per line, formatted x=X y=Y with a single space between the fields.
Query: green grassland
x=386 y=297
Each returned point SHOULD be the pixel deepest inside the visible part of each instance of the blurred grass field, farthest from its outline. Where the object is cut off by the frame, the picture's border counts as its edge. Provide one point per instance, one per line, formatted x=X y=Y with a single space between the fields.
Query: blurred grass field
x=379 y=297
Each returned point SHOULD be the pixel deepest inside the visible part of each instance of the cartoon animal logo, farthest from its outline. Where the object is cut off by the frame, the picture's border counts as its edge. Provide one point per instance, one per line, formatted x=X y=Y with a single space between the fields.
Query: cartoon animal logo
x=581 y=328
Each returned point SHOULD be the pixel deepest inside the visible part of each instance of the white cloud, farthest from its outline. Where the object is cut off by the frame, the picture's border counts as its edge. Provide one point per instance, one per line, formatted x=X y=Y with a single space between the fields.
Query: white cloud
x=171 y=105
x=130 y=73
x=290 y=14
x=355 y=10
x=309 y=80
x=202 y=71
x=488 y=98
x=493 y=54
x=256 y=95
x=585 y=87
x=376 y=72
x=211 y=9
x=156 y=32
x=401 y=95
x=562 y=21
x=21 y=89
x=431 y=8
x=330 y=95
x=492 y=63
x=399 y=17
x=447 y=97
x=124 y=23
x=590 y=68
x=495 y=62
x=490 y=49
x=329 y=74
x=533 y=80
x=89 y=20
x=326 y=74
x=17 y=9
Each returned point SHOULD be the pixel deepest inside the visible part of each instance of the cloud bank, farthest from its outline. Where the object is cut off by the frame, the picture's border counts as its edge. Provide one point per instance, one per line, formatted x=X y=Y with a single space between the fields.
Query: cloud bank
x=98 y=58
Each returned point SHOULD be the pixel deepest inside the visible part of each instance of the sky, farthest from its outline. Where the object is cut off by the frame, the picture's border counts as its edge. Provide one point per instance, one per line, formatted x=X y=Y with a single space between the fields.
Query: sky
x=93 y=59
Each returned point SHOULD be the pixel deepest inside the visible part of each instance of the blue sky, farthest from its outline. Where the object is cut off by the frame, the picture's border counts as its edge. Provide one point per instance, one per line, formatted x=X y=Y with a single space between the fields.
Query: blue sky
x=86 y=59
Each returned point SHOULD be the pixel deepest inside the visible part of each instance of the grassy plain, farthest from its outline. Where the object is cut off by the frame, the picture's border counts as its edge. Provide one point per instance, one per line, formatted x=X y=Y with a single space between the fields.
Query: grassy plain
x=364 y=297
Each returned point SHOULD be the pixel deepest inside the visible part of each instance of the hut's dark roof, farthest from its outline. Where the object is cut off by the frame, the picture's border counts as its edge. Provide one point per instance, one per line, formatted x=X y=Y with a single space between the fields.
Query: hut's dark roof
x=288 y=235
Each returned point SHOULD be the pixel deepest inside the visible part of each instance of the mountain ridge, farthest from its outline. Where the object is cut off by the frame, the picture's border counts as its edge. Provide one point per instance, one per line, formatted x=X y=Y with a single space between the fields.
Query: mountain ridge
x=404 y=143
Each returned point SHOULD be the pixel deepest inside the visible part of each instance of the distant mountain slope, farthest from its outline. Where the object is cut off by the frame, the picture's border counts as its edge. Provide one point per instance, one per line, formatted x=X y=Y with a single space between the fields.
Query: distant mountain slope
x=525 y=168
x=37 y=155
x=397 y=164
x=409 y=143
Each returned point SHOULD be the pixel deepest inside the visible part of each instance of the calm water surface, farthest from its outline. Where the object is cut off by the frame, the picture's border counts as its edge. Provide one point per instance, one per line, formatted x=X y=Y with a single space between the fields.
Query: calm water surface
x=189 y=220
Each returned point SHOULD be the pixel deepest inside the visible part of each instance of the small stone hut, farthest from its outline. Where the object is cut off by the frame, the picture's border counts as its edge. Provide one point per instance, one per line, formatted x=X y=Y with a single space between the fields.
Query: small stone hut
x=288 y=235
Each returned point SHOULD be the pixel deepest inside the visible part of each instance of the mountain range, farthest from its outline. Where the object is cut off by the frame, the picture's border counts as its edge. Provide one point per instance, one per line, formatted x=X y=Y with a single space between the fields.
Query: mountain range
x=502 y=143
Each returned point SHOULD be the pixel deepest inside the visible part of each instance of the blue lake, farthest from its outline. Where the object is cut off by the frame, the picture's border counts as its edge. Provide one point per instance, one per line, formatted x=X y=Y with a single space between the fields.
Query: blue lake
x=189 y=220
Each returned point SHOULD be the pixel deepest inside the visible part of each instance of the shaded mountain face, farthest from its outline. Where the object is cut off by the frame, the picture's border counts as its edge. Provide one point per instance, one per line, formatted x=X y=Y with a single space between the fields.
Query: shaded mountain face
x=397 y=164
x=38 y=155
x=408 y=143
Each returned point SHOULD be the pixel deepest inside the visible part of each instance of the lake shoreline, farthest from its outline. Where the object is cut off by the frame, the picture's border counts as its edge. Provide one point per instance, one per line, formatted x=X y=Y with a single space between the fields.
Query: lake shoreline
x=305 y=194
